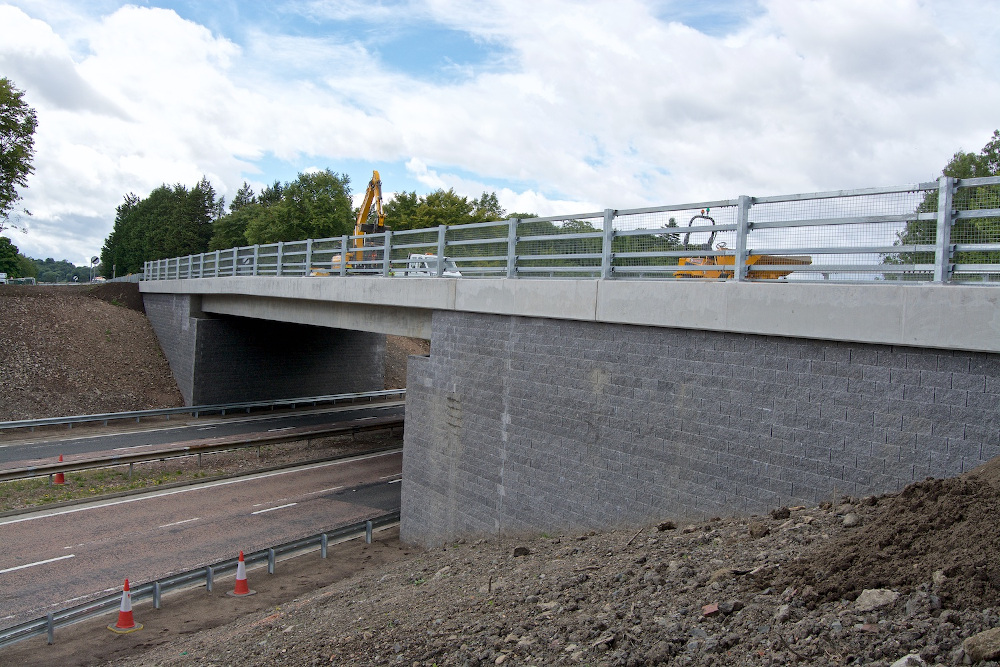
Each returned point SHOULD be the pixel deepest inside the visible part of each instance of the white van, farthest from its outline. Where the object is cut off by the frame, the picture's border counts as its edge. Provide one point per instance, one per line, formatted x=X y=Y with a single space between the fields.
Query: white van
x=427 y=265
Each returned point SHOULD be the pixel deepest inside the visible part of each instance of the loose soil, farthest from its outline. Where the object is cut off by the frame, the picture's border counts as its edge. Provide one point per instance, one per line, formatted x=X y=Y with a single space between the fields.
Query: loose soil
x=869 y=581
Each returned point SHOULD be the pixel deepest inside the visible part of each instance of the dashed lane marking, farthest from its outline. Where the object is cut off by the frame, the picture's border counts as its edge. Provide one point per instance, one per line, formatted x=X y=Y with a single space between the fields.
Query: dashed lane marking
x=41 y=562
x=177 y=523
x=271 y=509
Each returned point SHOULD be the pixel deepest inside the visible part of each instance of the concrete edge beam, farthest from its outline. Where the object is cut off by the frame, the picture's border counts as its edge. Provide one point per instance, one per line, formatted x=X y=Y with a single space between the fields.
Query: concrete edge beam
x=953 y=317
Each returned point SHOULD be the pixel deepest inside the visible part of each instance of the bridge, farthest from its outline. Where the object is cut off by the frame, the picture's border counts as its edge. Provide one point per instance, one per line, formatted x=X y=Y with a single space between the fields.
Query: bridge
x=581 y=378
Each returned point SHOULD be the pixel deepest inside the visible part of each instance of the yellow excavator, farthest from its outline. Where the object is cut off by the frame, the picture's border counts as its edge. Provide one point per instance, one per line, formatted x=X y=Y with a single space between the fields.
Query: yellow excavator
x=714 y=266
x=357 y=256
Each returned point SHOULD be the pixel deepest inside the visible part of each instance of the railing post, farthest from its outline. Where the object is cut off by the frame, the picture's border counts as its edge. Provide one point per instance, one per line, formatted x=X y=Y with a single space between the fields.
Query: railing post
x=309 y=257
x=742 y=231
x=343 y=255
x=442 y=230
x=512 y=247
x=607 y=243
x=190 y=266
x=281 y=257
x=945 y=219
x=218 y=259
x=256 y=256
x=236 y=261
x=387 y=253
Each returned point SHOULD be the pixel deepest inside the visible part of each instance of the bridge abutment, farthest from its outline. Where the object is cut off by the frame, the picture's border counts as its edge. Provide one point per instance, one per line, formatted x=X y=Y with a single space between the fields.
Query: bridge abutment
x=222 y=359
x=526 y=425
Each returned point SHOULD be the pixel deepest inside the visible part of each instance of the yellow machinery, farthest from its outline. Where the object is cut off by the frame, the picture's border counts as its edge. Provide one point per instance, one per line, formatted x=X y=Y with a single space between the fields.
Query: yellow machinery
x=358 y=256
x=714 y=266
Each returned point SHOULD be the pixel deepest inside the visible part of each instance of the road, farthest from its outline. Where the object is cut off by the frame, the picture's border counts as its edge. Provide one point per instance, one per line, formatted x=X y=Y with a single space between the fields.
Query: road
x=22 y=449
x=57 y=558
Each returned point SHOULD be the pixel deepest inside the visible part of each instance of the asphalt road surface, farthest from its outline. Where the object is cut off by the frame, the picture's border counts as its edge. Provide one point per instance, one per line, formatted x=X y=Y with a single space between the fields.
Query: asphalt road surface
x=27 y=449
x=52 y=559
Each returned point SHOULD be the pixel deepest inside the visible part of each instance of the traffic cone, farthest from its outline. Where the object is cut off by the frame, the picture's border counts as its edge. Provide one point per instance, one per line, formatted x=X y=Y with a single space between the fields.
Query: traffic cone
x=125 y=622
x=59 y=478
x=241 y=580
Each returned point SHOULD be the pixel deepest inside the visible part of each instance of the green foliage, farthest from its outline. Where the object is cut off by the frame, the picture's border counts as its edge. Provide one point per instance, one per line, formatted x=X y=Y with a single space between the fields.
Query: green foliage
x=406 y=210
x=62 y=271
x=17 y=147
x=970 y=230
x=316 y=205
x=172 y=221
x=8 y=258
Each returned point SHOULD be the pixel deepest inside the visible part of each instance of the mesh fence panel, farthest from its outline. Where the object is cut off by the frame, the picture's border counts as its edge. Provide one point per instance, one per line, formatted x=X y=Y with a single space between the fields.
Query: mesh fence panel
x=542 y=253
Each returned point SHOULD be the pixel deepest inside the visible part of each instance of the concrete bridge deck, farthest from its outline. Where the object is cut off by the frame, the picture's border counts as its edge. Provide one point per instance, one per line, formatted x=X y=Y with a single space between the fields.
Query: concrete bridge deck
x=921 y=315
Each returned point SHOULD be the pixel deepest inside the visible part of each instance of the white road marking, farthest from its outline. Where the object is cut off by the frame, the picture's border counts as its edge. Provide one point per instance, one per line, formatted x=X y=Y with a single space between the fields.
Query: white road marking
x=332 y=488
x=41 y=562
x=394 y=481
x=206 y=428
x=271 y=509
x=118 y=449
x=398 y=474
x=177 y=523
x=98 y=504
x=284 y=428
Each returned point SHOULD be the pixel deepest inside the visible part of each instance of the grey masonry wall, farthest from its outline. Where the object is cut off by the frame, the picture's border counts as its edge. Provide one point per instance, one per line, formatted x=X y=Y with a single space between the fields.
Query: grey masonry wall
x=519 y=424
x=221 y=359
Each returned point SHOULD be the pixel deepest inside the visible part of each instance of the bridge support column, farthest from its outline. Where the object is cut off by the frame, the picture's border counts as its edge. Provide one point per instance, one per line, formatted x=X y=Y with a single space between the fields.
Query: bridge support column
x=527 y=425
x=221 y=359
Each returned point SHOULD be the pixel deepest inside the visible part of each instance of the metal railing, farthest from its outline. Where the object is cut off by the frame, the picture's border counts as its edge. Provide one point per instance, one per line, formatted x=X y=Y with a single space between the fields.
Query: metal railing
x=940 y=231
x=203 y=575
x=207 y=446
x=196 y=410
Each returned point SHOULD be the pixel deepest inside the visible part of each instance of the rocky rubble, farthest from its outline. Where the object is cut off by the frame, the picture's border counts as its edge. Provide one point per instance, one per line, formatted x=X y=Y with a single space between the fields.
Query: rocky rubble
x=737 y=591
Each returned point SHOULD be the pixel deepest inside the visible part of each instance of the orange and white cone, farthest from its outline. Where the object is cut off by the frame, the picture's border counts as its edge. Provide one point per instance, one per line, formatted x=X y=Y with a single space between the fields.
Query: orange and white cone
x=242 y=588
x=125 y=621
x=59 y=478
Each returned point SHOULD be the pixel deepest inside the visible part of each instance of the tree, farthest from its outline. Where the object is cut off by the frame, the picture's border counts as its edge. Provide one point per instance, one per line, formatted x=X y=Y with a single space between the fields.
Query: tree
x=316 y=205
x=172 y=221
x=408 y=211
x=9 y=262
x=17 y=148
x=964 y=230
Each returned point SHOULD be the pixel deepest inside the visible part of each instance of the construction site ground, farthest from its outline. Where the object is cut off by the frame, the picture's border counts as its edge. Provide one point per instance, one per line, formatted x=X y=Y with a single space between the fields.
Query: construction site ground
x=903 y=579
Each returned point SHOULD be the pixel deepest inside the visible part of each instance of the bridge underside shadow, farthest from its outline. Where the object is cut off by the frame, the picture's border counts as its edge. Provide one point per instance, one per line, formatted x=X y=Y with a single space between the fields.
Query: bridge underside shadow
x=222 y=359
x=529 y=425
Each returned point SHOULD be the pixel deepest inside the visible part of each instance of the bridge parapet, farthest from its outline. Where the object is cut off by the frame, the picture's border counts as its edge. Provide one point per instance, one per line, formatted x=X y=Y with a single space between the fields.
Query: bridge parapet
x=941 y=232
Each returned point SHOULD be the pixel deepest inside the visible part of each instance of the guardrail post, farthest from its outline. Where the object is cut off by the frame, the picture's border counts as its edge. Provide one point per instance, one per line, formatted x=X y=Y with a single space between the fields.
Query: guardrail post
x=281 y=257
x=50 y=627
x=442 y=230
x=607 y=243
x=945 y=219
x=387 y=253
x=368 y=532
x=256 y=255
x=742 y=231
x=209 y=578
x=309 y=257
x=512 y=247
x=157 y=592
x=324 y=542
x=343 y=255
x=270 y=561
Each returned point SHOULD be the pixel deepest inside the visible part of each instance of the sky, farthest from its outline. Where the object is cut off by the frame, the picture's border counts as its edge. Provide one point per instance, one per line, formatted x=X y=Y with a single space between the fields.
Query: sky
x=559 y=107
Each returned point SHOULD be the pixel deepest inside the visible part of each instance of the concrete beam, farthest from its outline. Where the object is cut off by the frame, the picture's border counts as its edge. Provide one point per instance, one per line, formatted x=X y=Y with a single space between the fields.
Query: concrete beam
x=952 y=317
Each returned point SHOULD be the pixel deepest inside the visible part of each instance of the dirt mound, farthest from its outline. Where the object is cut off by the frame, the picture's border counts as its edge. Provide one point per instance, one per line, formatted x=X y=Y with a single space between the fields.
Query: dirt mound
x=940 y=530
x=79 y=350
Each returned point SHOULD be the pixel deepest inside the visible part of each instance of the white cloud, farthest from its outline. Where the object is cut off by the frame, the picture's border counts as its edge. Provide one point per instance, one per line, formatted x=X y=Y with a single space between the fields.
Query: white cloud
x=586 y=107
